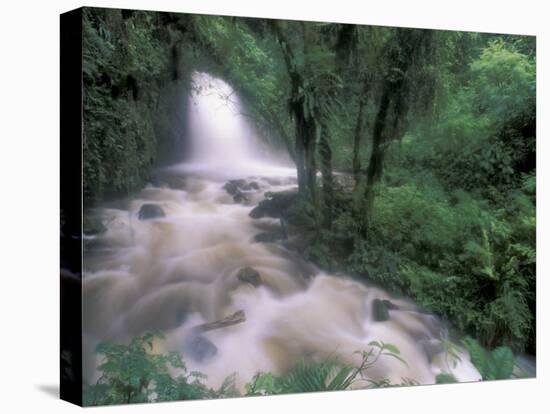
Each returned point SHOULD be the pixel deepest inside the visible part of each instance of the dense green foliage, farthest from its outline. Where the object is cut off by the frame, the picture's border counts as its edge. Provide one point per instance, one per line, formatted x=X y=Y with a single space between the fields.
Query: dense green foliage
x=132 y=373
x=134 y=73
x=453 y=221
x=119 y=141
x=494 y=365
x=326 y=375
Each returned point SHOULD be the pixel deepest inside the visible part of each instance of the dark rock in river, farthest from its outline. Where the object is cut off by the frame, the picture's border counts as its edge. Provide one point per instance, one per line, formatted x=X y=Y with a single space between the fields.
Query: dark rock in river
x=249 y=275
x=238 y=189
x=390 y=305
x=240 y=198
x=268 y=237
x=380 y=310
x=233 y=187
x=150 y=211
x=200 y=348
x=275 y=205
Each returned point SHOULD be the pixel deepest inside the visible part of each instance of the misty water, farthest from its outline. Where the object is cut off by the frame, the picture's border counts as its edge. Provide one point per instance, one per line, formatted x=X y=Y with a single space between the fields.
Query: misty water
x=176 y=272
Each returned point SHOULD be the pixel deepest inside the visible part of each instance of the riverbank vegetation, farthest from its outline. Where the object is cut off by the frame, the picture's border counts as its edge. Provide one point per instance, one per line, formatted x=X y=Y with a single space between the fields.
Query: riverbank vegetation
x=414 y=151
x=133 y=373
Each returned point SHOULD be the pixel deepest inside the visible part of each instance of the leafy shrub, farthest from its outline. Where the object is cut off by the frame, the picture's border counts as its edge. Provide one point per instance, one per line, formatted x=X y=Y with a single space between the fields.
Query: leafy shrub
x=494 y=365
x=445 y=378
x=132 y=374
x=126 y=63
x=457 y=256
x=454 y=253
x=327 y=375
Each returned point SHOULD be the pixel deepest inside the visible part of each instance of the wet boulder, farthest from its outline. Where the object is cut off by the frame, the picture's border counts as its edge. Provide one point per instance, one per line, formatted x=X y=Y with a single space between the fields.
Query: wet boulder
x=200 y=348
x=232 y=187
x=431 y=347
x=235 y=188
x=380 y=310
x=249 y=275
x=275 y=205
x=239 y=188
x=150 y=211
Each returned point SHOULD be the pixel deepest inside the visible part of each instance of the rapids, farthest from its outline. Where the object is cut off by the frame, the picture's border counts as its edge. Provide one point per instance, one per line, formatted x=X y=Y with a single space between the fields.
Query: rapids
x=175 y=272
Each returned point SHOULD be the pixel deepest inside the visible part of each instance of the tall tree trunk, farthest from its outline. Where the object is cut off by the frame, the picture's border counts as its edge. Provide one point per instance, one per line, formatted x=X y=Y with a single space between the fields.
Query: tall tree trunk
x=301 y=153
x=311 y=164
x=305 y=125
x=325 y=152
x=359 y=131
x=376 y=162
x=392 y=111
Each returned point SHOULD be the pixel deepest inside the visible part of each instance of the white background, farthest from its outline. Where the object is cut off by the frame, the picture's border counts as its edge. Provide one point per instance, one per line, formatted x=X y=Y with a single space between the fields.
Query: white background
x=29 y=207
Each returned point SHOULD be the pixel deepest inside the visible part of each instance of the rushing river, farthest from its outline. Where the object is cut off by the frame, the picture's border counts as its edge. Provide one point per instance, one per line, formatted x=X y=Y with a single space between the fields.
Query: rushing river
x=176 y=272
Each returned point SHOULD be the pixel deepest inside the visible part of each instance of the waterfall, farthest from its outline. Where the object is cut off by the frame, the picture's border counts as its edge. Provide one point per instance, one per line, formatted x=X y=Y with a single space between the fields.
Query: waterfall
x=224 y=142
x=218 y=130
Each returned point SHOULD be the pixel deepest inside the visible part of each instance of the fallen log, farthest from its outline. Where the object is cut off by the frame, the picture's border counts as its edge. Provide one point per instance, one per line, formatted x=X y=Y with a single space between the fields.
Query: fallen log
x=237 y=317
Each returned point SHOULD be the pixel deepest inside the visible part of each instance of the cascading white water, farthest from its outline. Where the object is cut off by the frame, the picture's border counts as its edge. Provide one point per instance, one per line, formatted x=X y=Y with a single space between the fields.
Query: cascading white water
x=175 y=272
x=218 y=129
x=223 y=141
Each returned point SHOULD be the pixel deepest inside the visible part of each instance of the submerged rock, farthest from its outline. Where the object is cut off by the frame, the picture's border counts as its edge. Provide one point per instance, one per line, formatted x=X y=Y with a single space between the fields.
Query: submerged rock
x=431 y=347
x=233 y=187
x=200 y=348
x=249 y=275
x=150 y=211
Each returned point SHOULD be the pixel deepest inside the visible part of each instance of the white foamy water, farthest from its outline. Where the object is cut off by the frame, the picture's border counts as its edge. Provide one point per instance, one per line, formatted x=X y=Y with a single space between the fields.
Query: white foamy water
x=175 y=272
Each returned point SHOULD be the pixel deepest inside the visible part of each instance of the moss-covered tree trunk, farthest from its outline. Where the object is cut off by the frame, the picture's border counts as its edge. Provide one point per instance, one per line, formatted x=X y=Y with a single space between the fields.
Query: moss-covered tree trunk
x=325 y=152
x=305 y=124
x=392 y=108
x=360 y=125
x=374 y=170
